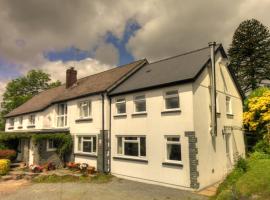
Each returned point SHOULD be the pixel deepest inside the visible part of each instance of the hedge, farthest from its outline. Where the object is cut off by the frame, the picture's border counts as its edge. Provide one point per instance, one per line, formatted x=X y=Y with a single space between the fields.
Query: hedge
x=4 y=166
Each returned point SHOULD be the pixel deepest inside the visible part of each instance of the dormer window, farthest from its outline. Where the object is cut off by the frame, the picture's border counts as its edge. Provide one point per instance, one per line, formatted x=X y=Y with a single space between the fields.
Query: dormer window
x=85 y=109
x=32 y=119
x=62 y=115
x=11 y=122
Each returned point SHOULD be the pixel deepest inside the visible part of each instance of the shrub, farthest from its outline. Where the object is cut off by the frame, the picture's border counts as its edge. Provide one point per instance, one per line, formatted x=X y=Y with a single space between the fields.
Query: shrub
x=242 y=164
x=258 y=156
x=8 y=154
x=4 y=166
x=262 y=146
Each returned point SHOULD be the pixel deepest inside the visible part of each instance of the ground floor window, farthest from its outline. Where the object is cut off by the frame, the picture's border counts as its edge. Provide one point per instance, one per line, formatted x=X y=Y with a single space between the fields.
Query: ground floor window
x=131 y=146
x=51 y=145
x=87 y=144
x=173 y=149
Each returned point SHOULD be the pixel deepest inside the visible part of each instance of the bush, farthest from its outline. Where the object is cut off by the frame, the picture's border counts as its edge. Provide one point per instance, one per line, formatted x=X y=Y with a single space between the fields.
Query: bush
x=262 y=146
x=242 y=164
x=258 y=156
x=4 y=166
x=8 y=154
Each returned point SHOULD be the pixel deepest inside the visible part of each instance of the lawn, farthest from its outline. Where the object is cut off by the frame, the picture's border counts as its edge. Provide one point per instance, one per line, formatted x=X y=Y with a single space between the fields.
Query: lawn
x=250 y=183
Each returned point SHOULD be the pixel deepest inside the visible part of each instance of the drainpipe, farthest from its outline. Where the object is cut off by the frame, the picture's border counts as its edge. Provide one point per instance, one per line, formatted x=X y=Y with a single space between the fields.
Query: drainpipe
x=103 y=135
x=212 y=46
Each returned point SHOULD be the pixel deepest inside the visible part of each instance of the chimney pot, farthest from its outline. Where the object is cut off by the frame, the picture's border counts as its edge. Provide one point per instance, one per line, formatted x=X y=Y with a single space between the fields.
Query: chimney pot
x=71 y=77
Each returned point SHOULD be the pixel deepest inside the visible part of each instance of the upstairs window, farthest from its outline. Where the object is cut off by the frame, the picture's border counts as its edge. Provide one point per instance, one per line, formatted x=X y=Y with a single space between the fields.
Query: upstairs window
x=228 y=105
x=85 y=109
x=131 y=146
x=140 y=103
x=32 y=119
x=173 y=149
x=62 y=115
x=87 y=144
x=121 y=106
x=20 y=120
x=172 y=100
x=11 y=122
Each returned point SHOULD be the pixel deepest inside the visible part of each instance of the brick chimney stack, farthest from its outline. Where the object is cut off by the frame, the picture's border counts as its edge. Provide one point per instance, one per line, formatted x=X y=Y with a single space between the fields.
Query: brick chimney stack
x=71 y=77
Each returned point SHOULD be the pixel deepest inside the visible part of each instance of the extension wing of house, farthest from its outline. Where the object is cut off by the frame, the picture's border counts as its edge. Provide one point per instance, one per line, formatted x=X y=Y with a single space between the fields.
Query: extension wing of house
x=79 y=107
x=175 y=122
x=161 y=122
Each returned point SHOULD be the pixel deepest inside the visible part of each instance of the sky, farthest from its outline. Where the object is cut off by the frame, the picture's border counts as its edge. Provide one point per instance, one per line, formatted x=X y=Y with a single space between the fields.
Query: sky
x=97 y=35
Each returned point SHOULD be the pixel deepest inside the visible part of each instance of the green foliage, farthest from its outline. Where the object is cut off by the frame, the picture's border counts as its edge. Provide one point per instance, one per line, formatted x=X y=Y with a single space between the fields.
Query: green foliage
x=241 y=164
x=262 y=146
x=21 y=89
x=249 y=54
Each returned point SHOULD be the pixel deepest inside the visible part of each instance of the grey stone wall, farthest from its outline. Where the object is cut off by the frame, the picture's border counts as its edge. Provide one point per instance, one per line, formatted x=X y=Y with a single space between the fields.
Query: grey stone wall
x=103 y=156
x=193 y=161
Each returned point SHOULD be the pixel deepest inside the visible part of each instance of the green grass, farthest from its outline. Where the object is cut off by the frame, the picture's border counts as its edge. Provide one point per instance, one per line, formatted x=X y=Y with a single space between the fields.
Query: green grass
x=99 y=178
x=255 y=182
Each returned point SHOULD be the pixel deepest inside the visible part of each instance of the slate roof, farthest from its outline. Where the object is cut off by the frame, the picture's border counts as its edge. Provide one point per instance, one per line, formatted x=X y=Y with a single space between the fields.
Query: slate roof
x=180 y=68
x=93 y=84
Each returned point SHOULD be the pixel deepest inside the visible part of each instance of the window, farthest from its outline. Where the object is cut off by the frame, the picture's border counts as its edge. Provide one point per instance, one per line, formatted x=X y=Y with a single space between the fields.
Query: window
x=121 y=106
x=62 y=115
x=11 y=122
x=87 y=144
x=85 y=109
x=20 y=120
x=32 y=120
x=171 y=100
x=228 y=105
x=140 y=104
x=217 y=103
x=173 y=149
x=131 y=146
x=51 y=145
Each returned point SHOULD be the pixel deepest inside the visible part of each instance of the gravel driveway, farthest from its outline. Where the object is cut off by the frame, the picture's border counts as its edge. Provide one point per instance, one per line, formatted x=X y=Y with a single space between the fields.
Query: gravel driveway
x=117 y=189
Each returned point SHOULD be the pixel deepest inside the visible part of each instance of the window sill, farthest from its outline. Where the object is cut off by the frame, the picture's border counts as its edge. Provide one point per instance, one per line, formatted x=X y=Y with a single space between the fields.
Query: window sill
x=10 y=128
x=84 y=120
x=19 y=127
x=31 y=126
x=171 y=111
x=229 y=114
x=139 y=114
x=172 y=164
x=120 y=115
x=86 y=155
x=130 y=159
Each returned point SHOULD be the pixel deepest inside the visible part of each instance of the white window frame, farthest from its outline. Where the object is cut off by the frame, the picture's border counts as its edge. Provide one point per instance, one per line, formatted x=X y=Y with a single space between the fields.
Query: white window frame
x=173 y=142
x=89 y=140
x=138 y=141
x=32 y=120
x=59 y=116
x=48 y=145
x=11 y=120
x=89 y=109
x=165 y=97
x=117 y=102
x=230 y=112
x=135 y=101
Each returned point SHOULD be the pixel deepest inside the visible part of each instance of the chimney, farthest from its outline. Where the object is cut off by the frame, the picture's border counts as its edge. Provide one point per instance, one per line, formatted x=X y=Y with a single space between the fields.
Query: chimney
x=71 y=77
x=212 y=46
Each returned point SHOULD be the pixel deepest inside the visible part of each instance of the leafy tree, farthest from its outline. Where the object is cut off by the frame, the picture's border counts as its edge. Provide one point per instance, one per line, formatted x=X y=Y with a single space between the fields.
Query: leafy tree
x=257 y=114
x=21 y=89
x=250 y=54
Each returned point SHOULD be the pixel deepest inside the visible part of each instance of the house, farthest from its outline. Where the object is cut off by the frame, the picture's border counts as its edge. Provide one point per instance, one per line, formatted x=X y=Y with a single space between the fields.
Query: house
x=161 y=122
x=176 y=122
x=79 y=107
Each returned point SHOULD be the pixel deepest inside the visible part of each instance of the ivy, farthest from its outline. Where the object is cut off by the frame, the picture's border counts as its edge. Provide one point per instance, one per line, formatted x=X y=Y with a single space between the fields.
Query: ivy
x=63 y=140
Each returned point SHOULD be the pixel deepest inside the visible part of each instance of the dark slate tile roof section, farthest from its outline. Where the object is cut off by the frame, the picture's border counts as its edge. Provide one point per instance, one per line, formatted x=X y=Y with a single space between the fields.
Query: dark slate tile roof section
x=184 y=67
x=93 y=84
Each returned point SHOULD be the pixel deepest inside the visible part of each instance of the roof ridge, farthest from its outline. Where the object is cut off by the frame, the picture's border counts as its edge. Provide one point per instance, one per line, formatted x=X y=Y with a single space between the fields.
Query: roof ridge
x=179 y=55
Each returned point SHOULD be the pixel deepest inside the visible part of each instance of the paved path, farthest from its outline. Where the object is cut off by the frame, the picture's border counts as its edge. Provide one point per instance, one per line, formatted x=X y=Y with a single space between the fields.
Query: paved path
x=118 y=189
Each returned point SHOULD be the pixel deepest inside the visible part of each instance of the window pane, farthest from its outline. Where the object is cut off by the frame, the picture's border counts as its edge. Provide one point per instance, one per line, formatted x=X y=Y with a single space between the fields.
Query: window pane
x=121 y=108
x=130 y=138
x=142 y=146
x=174 y=92
x=174 y=139
x=119 y=145
x=94 y=144
x=87 y=146
x=140 y=106
x=172 y=102
x=174 y=152
x=142 y=97
x=131 y=149
x=120 y=100
x=79 y=143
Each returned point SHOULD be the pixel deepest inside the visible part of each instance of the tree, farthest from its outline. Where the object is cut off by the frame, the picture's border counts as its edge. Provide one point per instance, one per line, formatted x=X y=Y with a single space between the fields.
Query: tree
x=257 y=115
x=249 y=54
x=21 y=89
